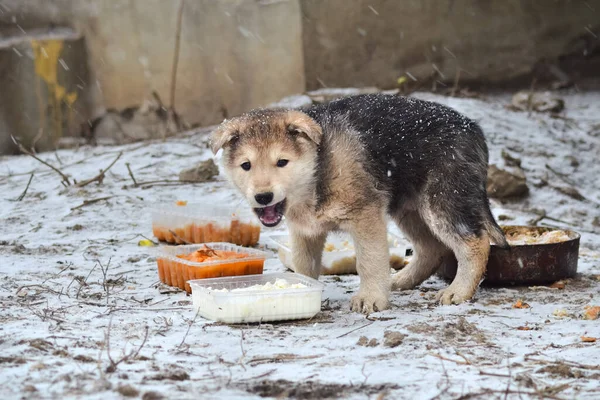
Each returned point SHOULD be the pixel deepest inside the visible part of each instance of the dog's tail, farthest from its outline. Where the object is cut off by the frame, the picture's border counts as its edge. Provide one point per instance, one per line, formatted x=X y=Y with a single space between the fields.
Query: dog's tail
x=495 y=232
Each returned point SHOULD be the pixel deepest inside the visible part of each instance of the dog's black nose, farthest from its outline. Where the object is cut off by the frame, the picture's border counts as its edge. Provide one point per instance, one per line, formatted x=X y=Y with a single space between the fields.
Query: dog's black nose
x=264 y=198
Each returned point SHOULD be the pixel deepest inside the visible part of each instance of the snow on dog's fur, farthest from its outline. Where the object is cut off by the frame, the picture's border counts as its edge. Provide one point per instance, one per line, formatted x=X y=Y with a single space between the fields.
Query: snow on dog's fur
x=351 y=163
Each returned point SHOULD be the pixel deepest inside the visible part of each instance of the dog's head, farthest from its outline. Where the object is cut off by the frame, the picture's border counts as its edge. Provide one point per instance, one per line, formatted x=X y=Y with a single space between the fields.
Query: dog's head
x=270 y=156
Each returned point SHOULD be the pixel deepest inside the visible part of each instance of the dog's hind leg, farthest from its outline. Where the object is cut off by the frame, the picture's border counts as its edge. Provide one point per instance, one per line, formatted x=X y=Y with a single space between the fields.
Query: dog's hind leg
x=307 y=252
x=470 y=245
x=428 y=252
x=472 y=255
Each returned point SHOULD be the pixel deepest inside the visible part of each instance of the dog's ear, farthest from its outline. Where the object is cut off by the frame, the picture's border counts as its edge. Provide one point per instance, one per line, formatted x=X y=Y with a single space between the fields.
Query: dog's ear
x=223 y=135
x=299 y=122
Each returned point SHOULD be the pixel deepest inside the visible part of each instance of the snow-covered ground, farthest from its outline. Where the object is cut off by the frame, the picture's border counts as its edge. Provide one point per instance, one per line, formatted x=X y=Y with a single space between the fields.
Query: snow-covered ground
x=76 y=290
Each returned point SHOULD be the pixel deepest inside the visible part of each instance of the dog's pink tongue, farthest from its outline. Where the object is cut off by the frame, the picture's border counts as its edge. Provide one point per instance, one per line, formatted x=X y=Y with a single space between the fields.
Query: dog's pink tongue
x=269 y=215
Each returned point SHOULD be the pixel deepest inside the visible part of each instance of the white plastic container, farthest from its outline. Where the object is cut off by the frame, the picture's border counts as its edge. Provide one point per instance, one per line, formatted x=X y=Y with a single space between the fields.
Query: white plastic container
x=218 y=300
x=339 y=256
x=202 y=223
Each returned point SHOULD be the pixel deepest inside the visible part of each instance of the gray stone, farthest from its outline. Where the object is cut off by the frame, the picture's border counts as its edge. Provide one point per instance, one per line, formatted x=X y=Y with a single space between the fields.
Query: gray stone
x=393 y=338
x=502 y=184
x=203 y=172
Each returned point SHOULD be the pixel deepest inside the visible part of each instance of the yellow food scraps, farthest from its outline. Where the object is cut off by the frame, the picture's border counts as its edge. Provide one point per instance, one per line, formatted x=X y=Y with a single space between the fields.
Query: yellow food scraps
x=521 y=304
x=145 y=243
x=560 y=313
x=560 y=285
x=401 y=80
x=591 y=312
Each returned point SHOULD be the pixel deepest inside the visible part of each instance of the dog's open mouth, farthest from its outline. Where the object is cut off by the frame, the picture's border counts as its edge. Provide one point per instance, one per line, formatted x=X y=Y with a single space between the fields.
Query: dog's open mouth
x=270 y=216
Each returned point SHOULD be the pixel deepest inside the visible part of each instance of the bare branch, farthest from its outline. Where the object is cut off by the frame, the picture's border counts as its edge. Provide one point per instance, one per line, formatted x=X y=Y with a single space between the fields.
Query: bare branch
x=88 y=202
x=22 y=195
x=131 y=174
x=100 y=177
x=65 y=178
x=130 y=356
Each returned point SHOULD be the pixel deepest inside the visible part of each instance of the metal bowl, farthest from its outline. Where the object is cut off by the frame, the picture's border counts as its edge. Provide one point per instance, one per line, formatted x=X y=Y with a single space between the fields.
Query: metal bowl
x=526 y=264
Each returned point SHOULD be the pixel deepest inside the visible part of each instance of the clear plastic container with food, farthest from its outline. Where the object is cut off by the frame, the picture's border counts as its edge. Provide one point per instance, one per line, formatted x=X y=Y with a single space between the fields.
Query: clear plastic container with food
x=178 y=264
x=338 y=254
x=199 y=223
x=258 y=298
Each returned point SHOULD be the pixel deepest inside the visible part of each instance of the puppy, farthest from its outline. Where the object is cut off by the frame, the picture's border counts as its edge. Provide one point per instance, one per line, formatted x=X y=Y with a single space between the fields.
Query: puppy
x=352 y=163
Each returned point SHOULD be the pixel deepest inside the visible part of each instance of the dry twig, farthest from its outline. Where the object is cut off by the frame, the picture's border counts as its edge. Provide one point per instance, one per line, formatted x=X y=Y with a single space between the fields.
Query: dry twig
x=560 y=175
x=100 y=177
x=65 y=179
x=441 y=357
x=355 y=329
x=92 y=201
x=243 y=355
x=131 y=174
x=160 y=182
x=131 y=355
x=22 y=195
x=104 y=277
x=179 y=348
x=278 y=358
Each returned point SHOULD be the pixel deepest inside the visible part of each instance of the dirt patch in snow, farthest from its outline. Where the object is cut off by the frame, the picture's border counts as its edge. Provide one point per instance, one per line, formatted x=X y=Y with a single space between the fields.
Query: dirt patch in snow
x=313 y=390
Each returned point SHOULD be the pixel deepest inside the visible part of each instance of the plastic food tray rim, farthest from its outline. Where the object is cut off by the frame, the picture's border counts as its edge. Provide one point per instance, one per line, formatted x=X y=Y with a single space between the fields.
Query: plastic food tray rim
x=168 y=252
x=206 y=285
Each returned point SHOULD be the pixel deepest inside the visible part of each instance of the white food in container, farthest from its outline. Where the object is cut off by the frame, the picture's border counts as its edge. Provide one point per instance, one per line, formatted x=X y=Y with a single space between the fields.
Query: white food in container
x=339 y=256
x=257 y=298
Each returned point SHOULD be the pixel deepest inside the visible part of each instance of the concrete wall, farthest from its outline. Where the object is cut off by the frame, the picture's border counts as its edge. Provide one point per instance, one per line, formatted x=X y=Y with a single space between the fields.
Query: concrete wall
x=235 y=54
x=374 y=42
x=43 y=96
x=240 y=54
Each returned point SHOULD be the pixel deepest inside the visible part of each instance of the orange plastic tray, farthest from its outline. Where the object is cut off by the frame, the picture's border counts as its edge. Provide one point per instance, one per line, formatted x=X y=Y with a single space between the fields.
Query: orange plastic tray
x=175 y=271
x=199 y=223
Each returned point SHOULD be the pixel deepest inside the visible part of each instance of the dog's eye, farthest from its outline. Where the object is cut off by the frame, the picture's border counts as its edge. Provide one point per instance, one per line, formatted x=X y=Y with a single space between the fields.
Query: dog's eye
x=246 y=166
x=282 y=163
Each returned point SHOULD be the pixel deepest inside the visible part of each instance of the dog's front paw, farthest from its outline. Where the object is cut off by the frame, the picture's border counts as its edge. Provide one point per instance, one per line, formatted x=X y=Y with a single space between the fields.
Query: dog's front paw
x=454 y=295
x=367 y=303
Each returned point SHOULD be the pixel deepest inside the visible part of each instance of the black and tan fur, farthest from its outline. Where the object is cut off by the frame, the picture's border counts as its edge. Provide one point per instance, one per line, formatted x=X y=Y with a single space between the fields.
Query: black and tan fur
x=354 y=163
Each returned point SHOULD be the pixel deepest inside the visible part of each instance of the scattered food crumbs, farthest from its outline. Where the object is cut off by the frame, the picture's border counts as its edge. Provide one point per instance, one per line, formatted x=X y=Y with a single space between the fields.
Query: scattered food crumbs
x=181 y=203
x=521 y=304
x=591 y=312
x=145 y=243
x=524 y=328
x=560 y=313
x=588 y=339
x=560 y=285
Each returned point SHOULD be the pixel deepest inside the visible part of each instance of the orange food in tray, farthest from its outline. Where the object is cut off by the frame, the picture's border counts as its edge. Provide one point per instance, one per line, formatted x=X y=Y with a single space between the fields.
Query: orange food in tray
x=178 y=265
x=209 y=254
x=242 y=234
